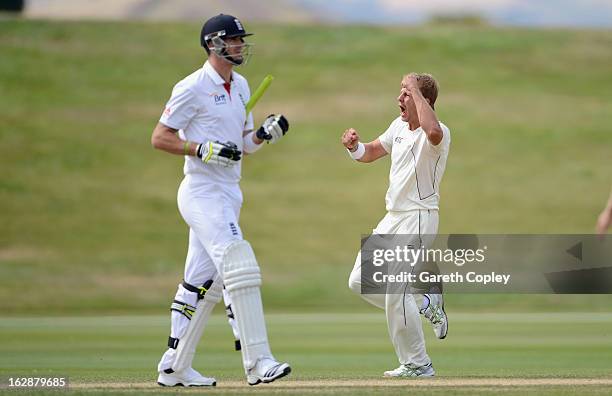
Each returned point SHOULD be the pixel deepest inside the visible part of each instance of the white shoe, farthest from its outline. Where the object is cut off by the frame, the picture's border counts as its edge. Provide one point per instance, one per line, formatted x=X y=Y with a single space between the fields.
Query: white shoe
x=267 y=370
x=187 y=377
x=433 y=309
x=411 y=370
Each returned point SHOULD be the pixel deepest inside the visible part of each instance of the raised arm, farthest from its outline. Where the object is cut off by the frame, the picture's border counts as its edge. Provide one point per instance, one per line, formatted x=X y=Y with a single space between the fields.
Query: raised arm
x=368 y=152
x=427 y=117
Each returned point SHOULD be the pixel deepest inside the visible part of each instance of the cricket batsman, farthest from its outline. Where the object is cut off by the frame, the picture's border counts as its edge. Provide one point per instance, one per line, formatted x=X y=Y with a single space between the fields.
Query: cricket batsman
x=418 y=144
x=205 y=121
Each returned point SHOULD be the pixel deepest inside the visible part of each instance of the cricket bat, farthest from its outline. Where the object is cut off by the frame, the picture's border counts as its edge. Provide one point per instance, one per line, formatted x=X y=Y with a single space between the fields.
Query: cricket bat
x=265 y=84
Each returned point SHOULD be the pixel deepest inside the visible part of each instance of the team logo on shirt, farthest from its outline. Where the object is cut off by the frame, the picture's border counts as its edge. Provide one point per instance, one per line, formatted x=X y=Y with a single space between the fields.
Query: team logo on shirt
x=220 y=99
x=398 y=139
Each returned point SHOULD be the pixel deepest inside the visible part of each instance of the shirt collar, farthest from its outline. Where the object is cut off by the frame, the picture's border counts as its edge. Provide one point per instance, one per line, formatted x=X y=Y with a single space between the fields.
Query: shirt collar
x=217 y=79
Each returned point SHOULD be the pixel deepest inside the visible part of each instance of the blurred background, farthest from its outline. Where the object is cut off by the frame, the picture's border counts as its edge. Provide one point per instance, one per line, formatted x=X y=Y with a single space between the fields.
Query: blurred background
x=88 y=216
x=551 y=13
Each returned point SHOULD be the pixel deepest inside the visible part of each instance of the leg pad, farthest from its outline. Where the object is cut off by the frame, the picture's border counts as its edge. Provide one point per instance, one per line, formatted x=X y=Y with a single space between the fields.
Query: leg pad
x=242 y=280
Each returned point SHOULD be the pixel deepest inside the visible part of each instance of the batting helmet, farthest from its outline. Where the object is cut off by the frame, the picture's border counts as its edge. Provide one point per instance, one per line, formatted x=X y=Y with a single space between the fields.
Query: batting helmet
x=219 y=28
x=223 y=26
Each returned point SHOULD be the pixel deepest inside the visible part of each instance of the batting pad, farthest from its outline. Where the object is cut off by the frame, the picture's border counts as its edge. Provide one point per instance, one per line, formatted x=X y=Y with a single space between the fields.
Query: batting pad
x=186 y=348
x=242 y=280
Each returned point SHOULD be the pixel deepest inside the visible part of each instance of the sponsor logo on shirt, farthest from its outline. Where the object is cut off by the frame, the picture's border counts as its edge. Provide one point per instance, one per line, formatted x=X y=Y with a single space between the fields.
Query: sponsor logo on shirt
x=220 y=99
x=234 y=229
x=168 y=111
x=398 y=139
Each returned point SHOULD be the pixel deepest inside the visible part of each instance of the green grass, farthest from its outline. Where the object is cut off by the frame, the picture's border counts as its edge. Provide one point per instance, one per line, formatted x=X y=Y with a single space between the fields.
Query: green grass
x=88 y=210
x=125 y=349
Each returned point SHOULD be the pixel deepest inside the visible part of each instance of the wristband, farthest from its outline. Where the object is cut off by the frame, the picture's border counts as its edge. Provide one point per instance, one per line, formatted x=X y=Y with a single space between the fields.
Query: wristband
x=248 y=145
x=186 y=147
x=357 y=154
x=199 y=150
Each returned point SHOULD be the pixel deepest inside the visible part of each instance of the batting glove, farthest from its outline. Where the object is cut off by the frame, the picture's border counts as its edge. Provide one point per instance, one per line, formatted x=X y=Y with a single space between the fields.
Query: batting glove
x=223 y=154
x=273 y=128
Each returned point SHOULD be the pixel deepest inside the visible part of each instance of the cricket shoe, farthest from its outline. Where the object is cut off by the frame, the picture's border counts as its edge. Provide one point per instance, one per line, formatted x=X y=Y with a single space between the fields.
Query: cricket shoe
x=433 y=309
x=187 y=377
x=267 y=370
x=411 y=370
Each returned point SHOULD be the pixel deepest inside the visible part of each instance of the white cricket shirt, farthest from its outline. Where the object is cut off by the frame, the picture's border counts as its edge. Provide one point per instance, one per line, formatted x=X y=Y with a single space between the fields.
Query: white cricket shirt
x=417 y=167
x=202 y=109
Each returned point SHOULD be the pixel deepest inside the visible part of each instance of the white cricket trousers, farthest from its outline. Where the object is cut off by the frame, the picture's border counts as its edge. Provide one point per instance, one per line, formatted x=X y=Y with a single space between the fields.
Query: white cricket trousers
x=402 y=311
x=211 y=210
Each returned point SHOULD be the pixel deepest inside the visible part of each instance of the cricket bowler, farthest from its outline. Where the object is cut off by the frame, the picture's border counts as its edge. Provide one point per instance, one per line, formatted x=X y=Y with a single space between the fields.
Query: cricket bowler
x=419 y=146
x=205 y=120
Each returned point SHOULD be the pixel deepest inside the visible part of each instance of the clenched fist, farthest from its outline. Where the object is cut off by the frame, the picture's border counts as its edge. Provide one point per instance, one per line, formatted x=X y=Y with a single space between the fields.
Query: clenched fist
x=350 y=139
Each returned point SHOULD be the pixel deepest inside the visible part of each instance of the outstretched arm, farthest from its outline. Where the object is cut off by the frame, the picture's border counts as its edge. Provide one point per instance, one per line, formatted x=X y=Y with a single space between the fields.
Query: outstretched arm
x=368 y=152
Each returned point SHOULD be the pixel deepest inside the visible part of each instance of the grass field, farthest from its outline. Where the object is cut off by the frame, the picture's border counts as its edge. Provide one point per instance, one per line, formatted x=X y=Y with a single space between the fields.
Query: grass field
x=88 y=208
x=330 y=353
x=92 y=245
